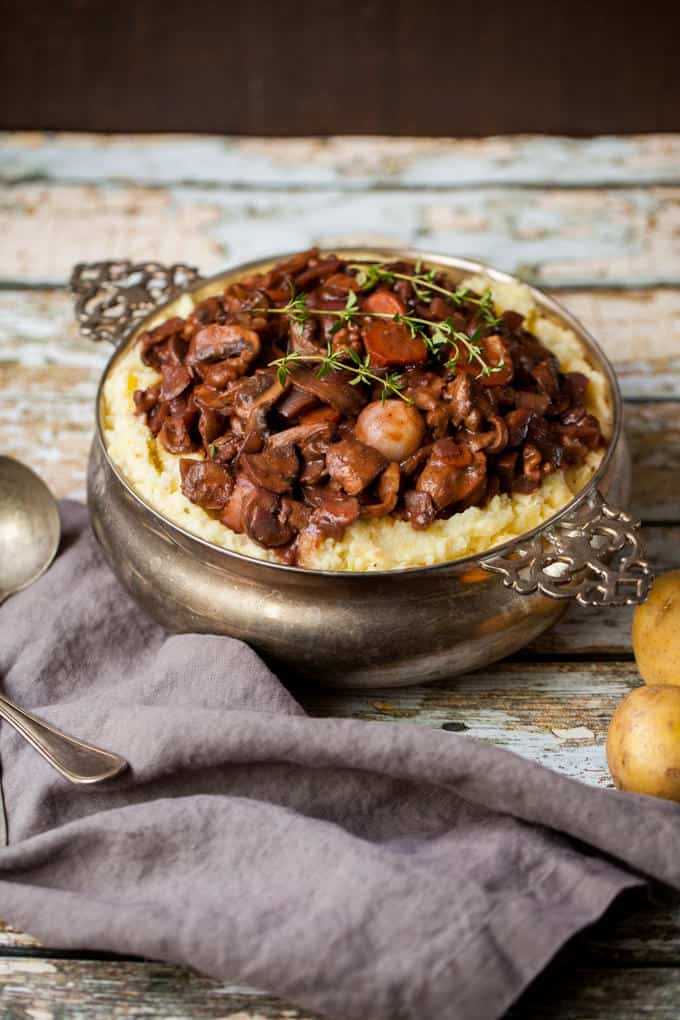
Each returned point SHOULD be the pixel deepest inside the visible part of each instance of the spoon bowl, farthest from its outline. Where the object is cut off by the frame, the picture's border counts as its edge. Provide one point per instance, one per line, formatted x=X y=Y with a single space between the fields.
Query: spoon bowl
x=29 y=538
x=29 y=527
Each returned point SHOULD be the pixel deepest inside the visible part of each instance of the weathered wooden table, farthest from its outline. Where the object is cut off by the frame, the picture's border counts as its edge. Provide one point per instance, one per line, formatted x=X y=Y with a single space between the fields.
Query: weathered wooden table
x=597 y=221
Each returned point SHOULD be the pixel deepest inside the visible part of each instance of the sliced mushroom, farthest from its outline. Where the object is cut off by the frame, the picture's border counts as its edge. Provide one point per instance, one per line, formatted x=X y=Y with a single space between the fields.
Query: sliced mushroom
x=149 y=340
x=333 y=511
x=218 y=343
x=210 y=426
x=175 y=379
x=175 y=437
x=275 y=469
x=459 y=393
x=146 y=400
x=518 y=424
x=315 y=271
x=546 y=375
x=302 y=337
x=206 y=483
x=295 y=404
x=263 y=520
x=451 y=473
x=299 y=435
x=420 y=510
x=232 y=514
x=257 y=419
x=213 y=400
x=531 y=463
x=333 y=389
x=494 y=441
x=388 y=493
x=538 y=402
x=353 y=465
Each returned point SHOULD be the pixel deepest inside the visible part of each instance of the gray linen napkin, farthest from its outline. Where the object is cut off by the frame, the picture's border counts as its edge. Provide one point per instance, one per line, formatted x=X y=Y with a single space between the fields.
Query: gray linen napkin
x=360 y=869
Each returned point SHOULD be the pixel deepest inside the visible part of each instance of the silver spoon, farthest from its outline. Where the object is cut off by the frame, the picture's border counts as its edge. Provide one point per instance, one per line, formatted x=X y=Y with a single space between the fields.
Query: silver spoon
x=29 y=537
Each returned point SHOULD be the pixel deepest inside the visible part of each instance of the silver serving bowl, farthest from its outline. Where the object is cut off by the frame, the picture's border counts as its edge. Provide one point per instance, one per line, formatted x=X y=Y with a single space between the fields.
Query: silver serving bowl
x=355 y=629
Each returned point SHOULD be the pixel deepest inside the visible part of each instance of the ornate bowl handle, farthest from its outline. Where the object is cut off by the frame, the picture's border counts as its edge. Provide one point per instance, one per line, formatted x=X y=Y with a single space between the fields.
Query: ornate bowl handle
x=593 y=555
x=113 y=297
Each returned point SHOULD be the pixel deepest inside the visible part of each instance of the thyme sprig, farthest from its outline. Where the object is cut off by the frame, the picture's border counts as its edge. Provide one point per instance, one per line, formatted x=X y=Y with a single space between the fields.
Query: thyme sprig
x=435 y=335
x=334 y=361
x=424 y=283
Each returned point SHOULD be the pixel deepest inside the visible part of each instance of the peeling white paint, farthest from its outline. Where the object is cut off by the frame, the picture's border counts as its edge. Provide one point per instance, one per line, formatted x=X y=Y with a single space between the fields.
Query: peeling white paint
x=353 y=162
x=551 y=236
x=26 y=965
x=575 y=733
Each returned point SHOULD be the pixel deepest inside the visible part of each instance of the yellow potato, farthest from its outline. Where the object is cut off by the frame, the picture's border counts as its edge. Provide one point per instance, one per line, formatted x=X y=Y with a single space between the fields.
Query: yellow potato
x=643 y=743
x=656 y=632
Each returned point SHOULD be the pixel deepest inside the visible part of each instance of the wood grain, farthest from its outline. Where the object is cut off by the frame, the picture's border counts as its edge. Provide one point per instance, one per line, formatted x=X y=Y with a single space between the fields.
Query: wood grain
x=51 y=989
x=590 y=994
x=550 y=236
x=343 y=163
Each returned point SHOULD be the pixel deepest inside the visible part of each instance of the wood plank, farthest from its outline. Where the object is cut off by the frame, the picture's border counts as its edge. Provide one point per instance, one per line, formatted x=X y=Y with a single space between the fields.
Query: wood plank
x=640 y=929
x=591 y=994
x=340 y=162
x=653 y=431
x=51 y=988
x=639 y=331
x=554 y=237
x=48 y=383
x=513 y=704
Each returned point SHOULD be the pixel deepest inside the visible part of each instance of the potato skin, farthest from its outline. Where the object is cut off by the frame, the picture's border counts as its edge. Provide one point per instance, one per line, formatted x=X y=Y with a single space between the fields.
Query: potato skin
x=656 y=632
x=643 y=742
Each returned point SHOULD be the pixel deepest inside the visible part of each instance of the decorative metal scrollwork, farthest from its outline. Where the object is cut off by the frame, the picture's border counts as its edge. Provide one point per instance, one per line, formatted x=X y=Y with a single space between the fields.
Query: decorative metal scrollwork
x=114 y=296
x=593 y=555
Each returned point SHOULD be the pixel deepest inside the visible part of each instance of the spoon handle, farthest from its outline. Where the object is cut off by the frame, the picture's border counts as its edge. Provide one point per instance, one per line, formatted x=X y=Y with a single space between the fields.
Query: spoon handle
x=77 y=761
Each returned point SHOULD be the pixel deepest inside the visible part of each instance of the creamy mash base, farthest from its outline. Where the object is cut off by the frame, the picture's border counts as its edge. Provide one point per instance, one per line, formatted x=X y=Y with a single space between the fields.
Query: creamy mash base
x=371 y=543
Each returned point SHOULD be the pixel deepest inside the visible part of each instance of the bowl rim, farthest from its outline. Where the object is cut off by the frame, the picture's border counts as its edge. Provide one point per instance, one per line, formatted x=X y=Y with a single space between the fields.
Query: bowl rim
x=468 y=266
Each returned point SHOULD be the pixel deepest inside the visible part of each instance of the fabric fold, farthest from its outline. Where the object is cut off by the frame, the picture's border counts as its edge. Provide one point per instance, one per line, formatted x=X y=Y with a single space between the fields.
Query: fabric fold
x=357 y=868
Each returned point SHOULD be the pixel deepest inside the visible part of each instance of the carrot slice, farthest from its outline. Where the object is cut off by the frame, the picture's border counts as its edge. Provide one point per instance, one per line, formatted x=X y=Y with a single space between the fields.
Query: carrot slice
x=340 y=283
x=385 y=302
x=391 y=344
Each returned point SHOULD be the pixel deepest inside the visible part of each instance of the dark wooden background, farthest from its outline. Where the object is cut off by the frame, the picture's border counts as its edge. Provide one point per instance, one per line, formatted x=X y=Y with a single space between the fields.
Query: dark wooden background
x=306 y=67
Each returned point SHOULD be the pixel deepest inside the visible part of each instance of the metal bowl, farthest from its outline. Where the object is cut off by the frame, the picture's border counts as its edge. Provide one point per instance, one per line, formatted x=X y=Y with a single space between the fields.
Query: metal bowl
x=355 y=629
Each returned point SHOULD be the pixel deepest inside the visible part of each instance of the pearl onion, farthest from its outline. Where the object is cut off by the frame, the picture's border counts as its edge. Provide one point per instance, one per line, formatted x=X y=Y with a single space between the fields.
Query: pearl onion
x=394 y=428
